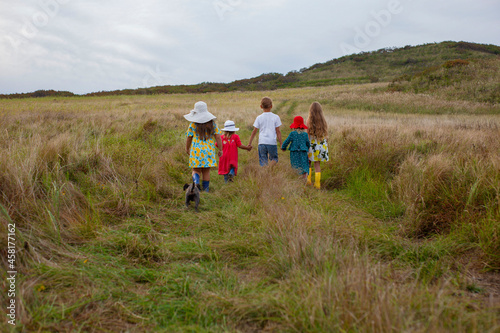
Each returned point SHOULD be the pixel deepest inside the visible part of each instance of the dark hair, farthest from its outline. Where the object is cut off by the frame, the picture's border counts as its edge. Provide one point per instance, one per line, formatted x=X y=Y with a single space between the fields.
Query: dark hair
x=205 y=130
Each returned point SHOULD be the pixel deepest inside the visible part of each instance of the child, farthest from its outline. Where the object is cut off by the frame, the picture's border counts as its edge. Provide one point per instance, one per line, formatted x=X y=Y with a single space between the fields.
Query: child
x=228 y=163
x=318 y=132
x=200 y=145
x=299 y=146
x=268 y=125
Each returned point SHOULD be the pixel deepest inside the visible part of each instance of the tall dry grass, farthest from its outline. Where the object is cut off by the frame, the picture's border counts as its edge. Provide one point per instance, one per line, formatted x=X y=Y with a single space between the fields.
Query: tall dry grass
x=48 y=144
x=94 y=187
x=327 y=279
x=444 y=170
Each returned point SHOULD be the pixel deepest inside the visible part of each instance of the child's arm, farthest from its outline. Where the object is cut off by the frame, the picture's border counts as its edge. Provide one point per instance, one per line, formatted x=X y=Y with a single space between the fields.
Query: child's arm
x=219 y=144
x=254 y=132
x=237 y=140
x=278 y=135
x=288 y=140
x=188 y=144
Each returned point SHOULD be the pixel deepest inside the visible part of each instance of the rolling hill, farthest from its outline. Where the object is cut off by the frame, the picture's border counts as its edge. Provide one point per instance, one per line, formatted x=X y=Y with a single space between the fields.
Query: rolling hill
x=383 y=65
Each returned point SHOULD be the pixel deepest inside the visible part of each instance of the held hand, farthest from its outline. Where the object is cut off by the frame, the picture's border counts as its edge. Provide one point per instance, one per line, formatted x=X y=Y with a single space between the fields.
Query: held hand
x=249 y=148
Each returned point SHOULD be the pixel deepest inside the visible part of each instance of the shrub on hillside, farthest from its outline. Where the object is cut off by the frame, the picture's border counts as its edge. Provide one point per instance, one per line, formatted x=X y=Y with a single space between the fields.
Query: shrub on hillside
x=456 y=63
x=486 y=48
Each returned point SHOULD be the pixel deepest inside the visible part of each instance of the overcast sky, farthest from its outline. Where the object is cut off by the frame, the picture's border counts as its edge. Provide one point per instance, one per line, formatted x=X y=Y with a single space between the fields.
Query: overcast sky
x=87 y=46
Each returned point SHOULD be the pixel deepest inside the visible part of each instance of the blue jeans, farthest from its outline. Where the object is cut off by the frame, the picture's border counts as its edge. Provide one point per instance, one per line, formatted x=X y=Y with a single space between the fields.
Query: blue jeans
x=267 y=153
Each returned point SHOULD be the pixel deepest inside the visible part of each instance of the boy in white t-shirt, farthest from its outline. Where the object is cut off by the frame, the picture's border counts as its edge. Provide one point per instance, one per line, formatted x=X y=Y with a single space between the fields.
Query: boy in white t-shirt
x=268 y=124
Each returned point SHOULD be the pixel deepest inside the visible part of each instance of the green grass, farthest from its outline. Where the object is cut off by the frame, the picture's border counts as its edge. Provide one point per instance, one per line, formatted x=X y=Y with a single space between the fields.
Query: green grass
x=373 y=193
x=106 y=244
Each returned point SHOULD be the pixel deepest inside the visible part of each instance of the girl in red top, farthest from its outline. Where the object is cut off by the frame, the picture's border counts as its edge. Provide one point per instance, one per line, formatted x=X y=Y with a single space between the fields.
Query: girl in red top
x=228 y=162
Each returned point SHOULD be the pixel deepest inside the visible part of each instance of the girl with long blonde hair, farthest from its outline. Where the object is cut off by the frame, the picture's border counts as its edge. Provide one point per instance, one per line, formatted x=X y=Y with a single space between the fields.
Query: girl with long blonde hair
x=317 y=128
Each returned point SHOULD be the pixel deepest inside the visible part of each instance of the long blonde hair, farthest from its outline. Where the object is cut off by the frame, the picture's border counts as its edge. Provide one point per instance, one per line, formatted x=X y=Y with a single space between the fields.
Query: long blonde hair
x=316 y=122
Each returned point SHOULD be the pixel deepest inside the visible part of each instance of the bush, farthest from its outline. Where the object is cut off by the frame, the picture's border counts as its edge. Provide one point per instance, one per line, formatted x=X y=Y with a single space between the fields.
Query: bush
x=456 y=63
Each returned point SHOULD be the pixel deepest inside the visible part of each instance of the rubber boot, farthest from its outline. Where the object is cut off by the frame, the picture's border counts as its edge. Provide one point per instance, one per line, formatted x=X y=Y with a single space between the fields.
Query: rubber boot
x=309 y=176
x=196 y=178
x=317 y=180
x=206 y=185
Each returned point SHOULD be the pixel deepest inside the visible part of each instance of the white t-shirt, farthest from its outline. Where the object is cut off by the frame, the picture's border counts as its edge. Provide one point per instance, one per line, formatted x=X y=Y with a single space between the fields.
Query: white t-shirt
x=267 y=123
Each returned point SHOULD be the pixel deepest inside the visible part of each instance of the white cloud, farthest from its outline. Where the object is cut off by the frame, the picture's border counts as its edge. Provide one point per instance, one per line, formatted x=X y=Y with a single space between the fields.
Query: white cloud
x=92 y=45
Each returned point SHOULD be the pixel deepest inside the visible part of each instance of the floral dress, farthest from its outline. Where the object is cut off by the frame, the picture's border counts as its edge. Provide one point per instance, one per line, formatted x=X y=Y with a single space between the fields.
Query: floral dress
x=202 y=153
x=318 y=150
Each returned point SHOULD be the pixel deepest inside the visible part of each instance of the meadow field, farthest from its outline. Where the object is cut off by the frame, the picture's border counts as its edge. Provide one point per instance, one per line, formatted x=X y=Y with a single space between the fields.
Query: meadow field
x=404 y=235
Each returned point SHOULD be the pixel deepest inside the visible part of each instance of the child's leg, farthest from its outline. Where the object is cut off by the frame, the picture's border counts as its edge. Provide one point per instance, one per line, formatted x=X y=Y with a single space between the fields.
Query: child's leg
x=205 y=173
x=230 y=175
x=317 y=166
x=206 y=178
x=273 y=154
x=263 y=160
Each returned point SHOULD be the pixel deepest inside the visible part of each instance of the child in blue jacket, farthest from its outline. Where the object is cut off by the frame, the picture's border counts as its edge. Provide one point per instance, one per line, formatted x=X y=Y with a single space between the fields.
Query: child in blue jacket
x=299 y=143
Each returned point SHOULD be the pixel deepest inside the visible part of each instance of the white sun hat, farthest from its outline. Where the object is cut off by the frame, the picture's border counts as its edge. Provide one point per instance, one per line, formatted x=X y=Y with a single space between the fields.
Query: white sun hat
x=229 y=126
x=200 y=114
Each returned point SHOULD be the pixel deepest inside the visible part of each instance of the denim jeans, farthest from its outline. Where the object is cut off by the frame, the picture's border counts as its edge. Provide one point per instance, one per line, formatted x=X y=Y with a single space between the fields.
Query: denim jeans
x=267 y=153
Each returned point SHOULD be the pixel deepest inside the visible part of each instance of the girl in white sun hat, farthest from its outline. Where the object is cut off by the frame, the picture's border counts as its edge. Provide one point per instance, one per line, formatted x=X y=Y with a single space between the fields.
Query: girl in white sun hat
x=201 y=135
x=228 y=163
